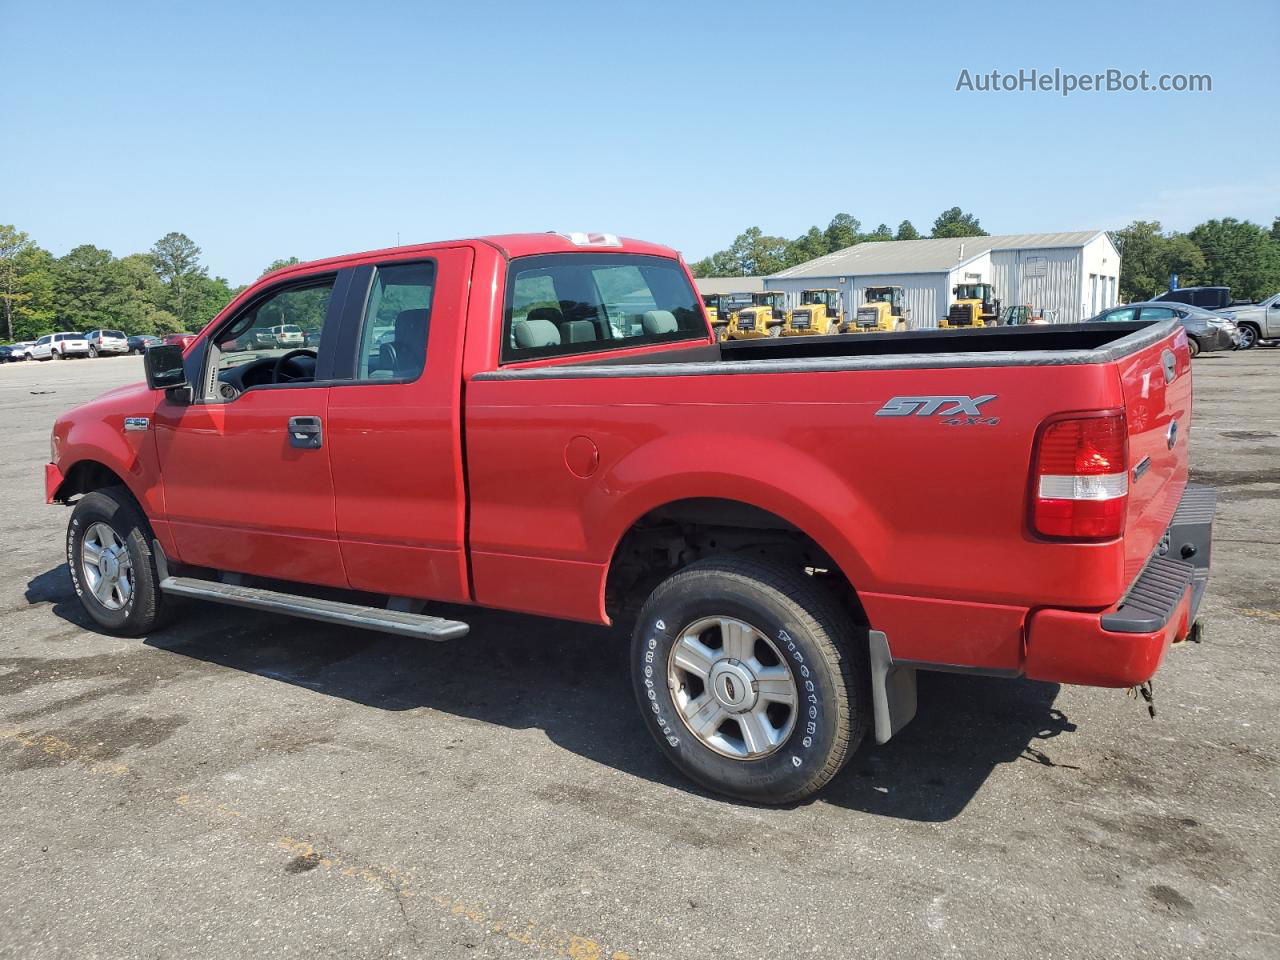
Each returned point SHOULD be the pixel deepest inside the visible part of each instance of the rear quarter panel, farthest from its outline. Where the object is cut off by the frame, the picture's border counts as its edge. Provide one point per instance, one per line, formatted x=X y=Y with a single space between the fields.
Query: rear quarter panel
x=910 y=507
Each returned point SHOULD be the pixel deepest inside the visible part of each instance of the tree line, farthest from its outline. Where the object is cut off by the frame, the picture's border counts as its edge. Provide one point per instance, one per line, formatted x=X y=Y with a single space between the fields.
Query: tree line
x=165 y=290
x=1235 y=253
x=754 y=253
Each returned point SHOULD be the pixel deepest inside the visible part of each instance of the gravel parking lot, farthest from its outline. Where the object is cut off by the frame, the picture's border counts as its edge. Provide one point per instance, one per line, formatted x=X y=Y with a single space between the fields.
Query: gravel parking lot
x=248 y=785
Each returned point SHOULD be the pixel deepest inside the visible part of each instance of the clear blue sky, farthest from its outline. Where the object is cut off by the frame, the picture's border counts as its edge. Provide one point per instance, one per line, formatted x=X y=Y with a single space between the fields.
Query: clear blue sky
x=267 y=130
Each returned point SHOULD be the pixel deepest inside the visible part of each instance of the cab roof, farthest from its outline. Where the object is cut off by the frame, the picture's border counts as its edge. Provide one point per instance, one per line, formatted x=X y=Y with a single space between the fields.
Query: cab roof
x=510 y=245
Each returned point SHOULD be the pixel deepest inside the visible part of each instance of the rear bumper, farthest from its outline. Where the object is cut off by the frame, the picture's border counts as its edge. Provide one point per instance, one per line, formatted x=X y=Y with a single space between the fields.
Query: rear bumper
x=1124 y=646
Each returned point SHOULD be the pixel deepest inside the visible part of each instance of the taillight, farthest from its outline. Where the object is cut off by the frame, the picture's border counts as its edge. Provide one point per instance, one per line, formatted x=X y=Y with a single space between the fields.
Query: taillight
x=1080 y=478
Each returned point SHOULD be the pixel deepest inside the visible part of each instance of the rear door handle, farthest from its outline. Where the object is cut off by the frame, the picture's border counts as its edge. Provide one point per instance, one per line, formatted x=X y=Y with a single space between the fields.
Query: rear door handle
x=306 y=433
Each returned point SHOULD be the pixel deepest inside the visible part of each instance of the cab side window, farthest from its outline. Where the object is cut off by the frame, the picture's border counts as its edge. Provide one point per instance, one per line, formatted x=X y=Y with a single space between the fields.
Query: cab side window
x=396 y=322
x=1156 y=313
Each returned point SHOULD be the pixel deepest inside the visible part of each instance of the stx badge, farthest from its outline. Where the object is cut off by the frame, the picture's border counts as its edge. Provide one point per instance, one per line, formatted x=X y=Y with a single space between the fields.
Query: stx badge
x=929 y=406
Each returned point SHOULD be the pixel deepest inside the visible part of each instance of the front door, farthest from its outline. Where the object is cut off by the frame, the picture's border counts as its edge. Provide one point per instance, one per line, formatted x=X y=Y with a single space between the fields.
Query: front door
x=247 y=483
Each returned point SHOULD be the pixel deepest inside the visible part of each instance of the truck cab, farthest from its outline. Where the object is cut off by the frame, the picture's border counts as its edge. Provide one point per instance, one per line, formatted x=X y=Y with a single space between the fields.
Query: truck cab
x=821 y=312
x=765 y=316
x=975 y=305
x=883 y=311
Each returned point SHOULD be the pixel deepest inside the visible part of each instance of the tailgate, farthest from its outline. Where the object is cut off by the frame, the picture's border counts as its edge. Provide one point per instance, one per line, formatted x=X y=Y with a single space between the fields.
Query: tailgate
x=1157 y=396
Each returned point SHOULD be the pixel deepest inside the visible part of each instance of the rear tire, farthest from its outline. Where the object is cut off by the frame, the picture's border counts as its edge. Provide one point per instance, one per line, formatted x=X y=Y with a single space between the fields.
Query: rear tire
x=755 y=747
x=122 y=591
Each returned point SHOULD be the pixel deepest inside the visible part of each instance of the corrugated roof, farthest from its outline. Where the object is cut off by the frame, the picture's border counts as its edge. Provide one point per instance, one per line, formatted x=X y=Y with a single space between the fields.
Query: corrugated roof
x=729 y=284
x=927 y=256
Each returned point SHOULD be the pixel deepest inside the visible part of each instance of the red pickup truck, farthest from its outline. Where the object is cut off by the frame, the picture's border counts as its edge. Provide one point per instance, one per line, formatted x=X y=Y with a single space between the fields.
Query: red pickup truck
x=546 y=424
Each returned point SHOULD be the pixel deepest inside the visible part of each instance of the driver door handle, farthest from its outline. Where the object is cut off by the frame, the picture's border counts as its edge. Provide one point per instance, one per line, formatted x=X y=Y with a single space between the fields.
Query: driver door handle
x=306 y=433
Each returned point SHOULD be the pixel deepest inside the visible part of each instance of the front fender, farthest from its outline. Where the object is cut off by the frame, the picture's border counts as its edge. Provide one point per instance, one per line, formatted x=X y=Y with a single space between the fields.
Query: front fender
x=747 y=469
x=95 y=433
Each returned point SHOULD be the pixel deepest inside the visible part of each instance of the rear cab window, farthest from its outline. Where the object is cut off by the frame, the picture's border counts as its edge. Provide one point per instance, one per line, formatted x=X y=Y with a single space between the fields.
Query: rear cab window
x=568 y=304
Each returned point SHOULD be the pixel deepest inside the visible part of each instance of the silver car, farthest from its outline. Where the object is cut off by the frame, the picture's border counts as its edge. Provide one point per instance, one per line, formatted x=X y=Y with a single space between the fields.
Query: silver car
x=1206 y=331
x=106 y=341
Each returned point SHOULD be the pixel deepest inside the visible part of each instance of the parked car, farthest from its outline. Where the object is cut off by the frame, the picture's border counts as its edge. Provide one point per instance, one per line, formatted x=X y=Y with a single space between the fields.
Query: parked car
x=139 y=342
x=1206 y=331
x=21 y=350
x=287 y=335
x=182 y=340
x=1207 y=298
x=106 y=342
x=60 y=346
x=7 y=354
x=772 y=628
x=1257 y=321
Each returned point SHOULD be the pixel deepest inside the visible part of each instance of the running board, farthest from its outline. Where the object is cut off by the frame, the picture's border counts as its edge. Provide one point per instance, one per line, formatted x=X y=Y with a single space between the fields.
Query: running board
x=398 y=622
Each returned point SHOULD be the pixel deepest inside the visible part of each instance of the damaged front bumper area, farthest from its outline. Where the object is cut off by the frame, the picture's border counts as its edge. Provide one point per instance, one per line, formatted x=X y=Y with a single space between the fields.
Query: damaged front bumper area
x=1124 y=646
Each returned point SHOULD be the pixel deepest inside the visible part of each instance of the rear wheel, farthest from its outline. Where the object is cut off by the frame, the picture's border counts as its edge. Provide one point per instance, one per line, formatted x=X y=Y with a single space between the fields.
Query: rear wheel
x=93 y=351
x=750 y=679
x=111 y=562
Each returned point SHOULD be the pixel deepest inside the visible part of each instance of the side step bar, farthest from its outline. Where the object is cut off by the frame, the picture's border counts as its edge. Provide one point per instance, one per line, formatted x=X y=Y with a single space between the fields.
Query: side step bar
x=398 y=622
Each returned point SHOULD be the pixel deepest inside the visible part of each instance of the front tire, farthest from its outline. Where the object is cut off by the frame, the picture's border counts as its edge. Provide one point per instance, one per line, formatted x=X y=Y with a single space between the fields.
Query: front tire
x=750 y=679
x=111 y=562
x=1193 y=345
x=1248 y=336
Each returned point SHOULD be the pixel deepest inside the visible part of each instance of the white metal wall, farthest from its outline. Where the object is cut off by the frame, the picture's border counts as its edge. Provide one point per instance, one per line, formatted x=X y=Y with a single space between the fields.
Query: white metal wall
x=1099 y=259
x=1047 y=279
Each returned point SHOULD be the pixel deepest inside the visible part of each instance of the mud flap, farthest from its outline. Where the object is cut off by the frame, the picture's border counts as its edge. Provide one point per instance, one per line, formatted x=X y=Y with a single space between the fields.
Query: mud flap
x=893 y=689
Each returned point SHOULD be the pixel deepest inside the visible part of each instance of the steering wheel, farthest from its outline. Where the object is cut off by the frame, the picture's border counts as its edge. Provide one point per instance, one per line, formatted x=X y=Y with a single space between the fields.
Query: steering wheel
x=277 y=371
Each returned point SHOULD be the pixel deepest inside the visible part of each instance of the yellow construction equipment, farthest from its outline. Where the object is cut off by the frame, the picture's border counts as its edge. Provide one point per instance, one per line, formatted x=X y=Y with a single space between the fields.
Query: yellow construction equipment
x=882 y=312
x=765 y=317
x=975 y=305
x=819 y=313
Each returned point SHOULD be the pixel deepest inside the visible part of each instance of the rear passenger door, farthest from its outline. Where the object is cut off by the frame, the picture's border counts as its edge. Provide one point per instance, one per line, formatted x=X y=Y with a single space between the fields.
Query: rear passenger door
x=394 y=427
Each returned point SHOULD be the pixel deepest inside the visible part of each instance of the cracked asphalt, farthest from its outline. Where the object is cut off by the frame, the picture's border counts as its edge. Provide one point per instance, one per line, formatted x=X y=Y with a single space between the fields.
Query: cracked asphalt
x=245 y=785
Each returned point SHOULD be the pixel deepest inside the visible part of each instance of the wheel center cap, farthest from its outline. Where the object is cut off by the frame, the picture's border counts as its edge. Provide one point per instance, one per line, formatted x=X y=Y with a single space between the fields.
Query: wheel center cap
x=733 y=685
x=110 y=566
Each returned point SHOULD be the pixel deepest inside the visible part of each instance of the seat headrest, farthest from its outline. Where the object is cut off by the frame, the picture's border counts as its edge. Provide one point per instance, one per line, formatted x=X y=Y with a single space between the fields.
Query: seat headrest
x=406 y=355
x=550 y=314
x=535 y=333
x=578 y=331
x=659 y=321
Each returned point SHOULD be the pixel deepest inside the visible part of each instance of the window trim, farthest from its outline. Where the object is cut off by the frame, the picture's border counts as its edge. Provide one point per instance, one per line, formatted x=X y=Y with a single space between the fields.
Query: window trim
x=206 y=376
x=590 y=347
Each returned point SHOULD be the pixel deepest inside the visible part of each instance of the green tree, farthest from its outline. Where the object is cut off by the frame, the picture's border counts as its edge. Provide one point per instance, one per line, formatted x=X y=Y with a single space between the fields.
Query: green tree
x=1238 y=254
x=906 y=231
x=13 y=243
x=755 y=253
x=808 y=246
x=956 y=223
x=842 y=232
x=33 y=313
x=881 y=232
x=177 y=264
x=89 y=287
x=280 y=265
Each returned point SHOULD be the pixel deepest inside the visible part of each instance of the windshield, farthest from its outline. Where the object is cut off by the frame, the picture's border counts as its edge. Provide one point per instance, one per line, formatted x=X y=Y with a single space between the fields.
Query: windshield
x=560 y=304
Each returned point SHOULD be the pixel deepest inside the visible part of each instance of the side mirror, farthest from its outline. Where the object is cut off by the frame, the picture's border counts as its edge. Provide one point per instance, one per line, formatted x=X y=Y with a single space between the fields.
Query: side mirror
x=163 y=364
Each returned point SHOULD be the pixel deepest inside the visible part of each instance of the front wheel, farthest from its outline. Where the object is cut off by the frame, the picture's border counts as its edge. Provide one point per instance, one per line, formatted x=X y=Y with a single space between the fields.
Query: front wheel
x=111 y=563
x=750 y=679
x=1193 y=345
x=1248 y=336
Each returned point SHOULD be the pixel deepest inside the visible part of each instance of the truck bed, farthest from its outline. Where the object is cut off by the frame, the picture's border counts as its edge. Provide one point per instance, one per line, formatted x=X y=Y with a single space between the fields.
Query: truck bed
x=1056 y=344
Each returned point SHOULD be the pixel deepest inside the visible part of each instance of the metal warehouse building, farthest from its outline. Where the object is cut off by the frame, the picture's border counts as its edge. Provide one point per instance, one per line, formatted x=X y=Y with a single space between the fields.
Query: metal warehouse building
x=1070 y=276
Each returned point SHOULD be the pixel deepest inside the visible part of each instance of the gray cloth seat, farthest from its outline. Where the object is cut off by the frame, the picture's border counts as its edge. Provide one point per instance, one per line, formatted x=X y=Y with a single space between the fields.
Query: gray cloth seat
x=406 y=354
x=541 y=328
x=659 y=321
